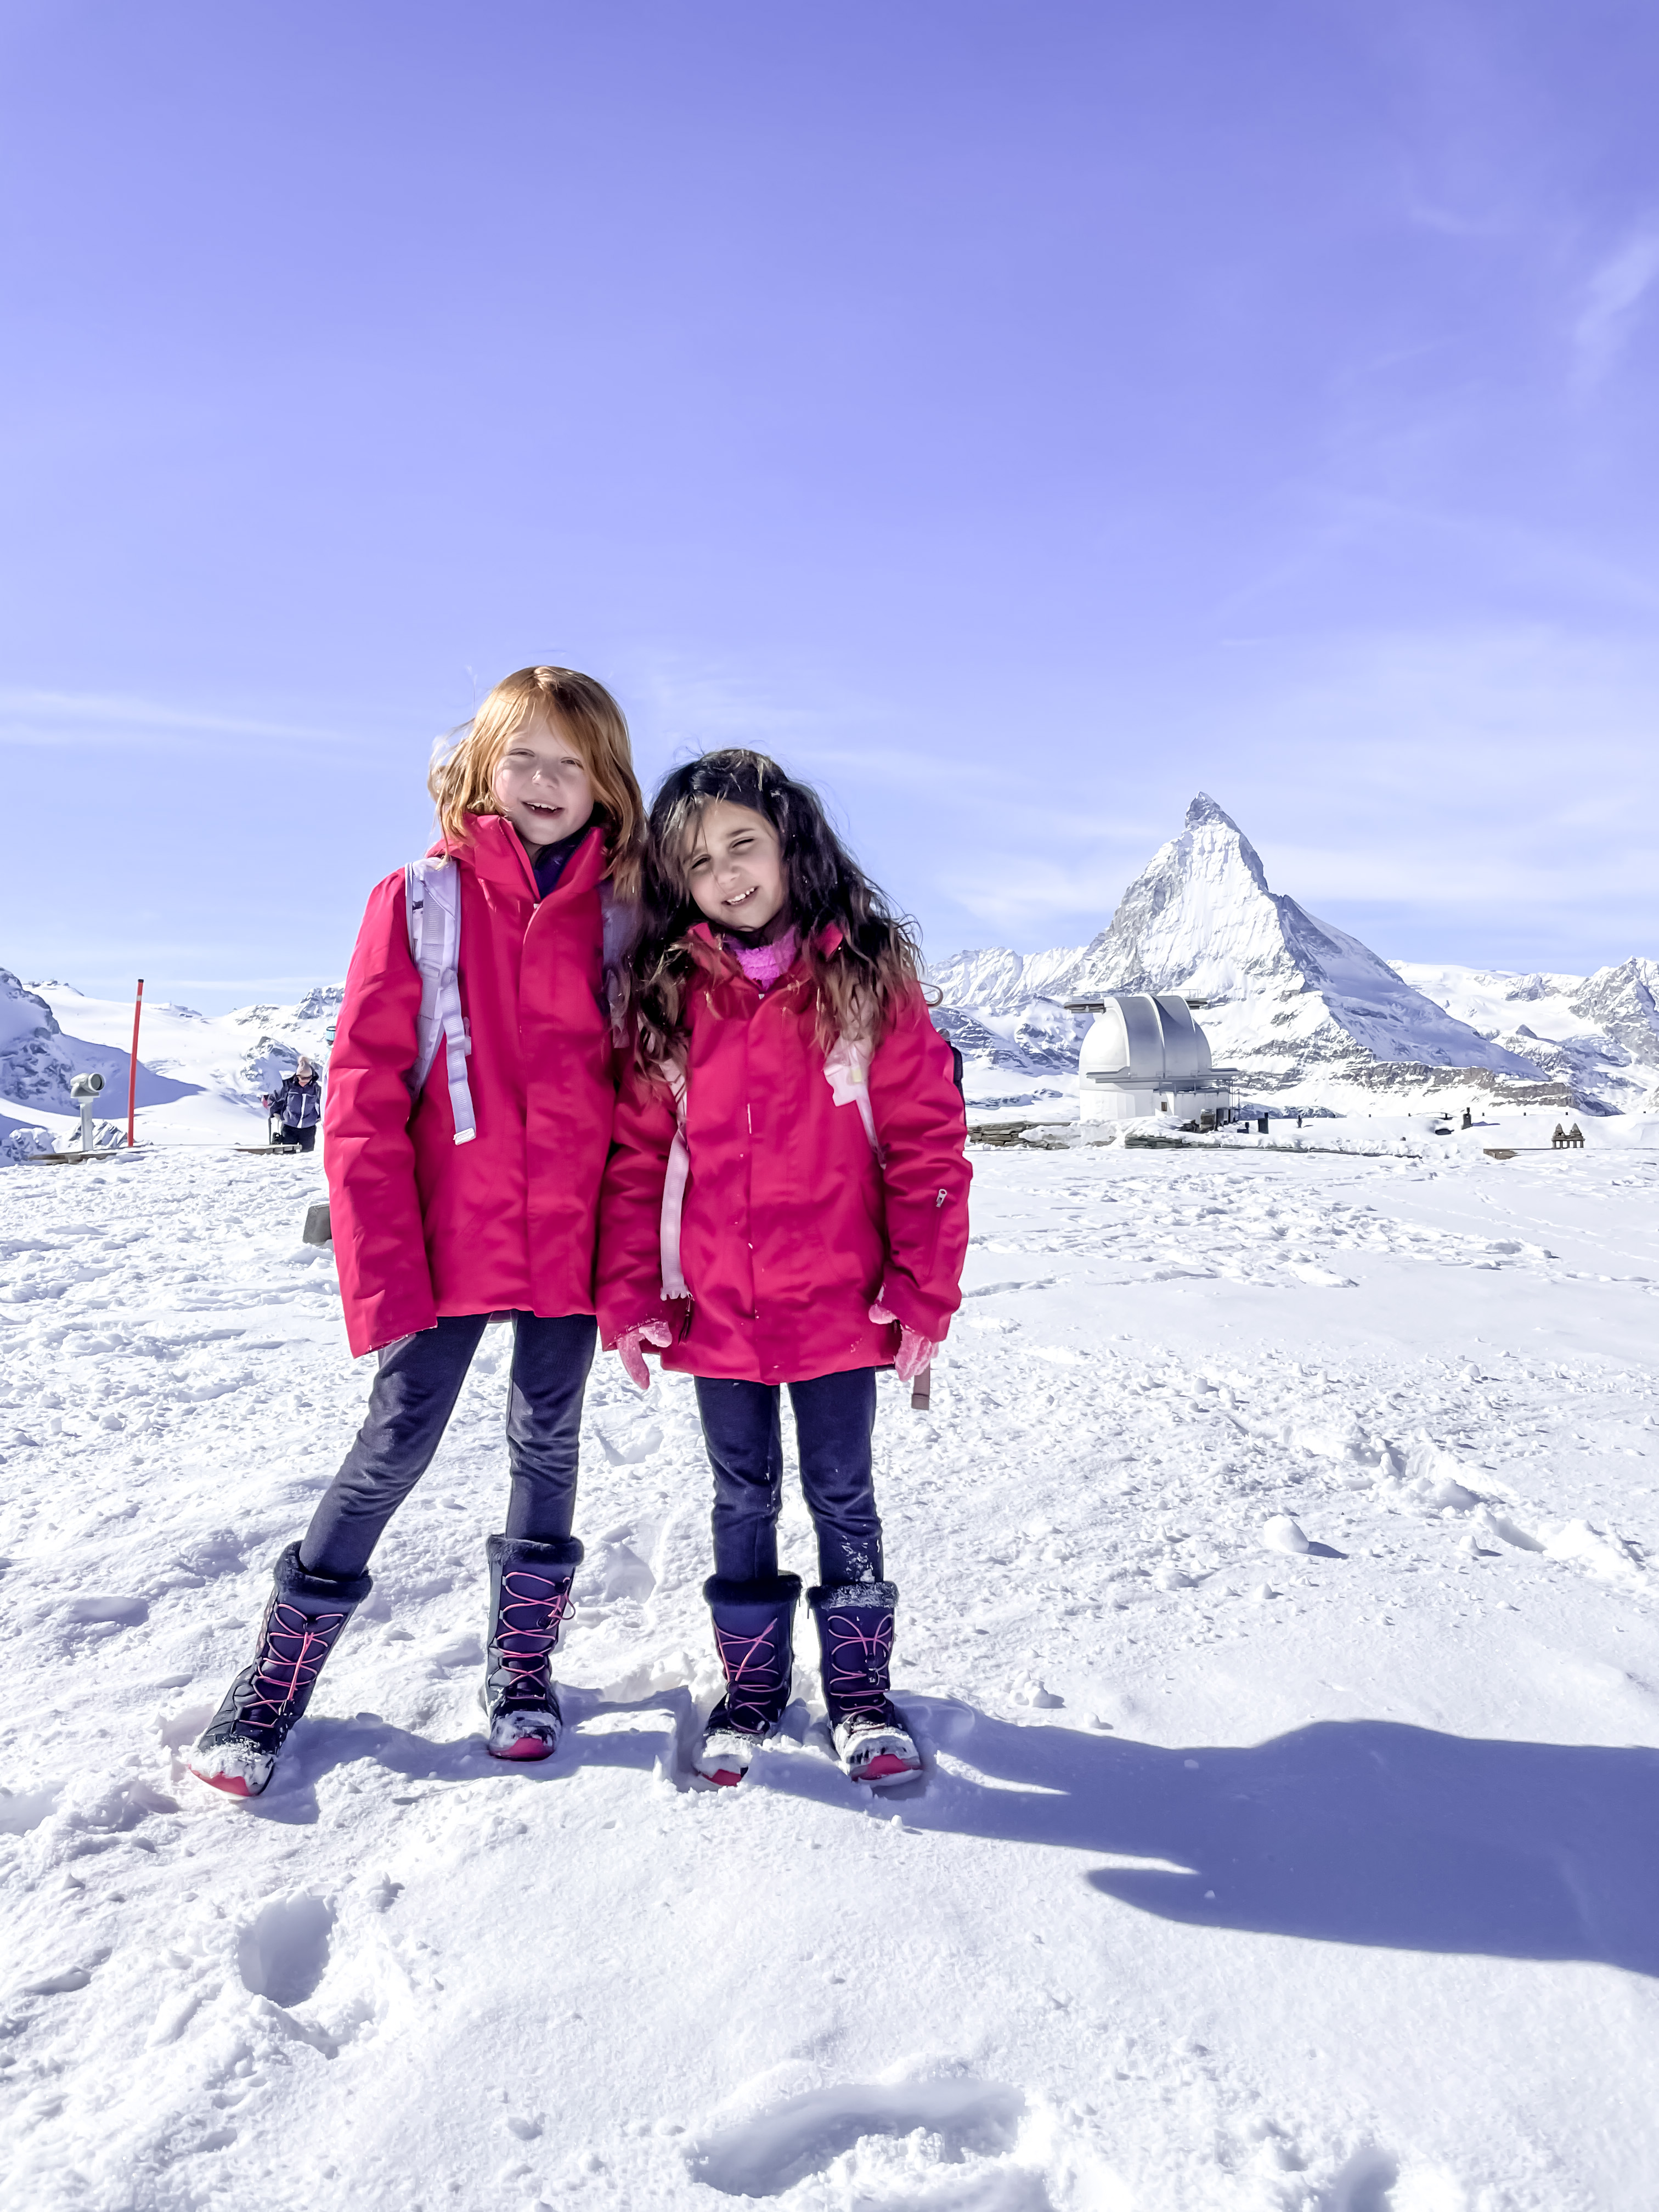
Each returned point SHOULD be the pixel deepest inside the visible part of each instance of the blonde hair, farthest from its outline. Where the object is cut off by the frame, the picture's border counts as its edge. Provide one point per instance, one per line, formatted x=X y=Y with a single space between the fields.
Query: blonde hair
x=463 y=778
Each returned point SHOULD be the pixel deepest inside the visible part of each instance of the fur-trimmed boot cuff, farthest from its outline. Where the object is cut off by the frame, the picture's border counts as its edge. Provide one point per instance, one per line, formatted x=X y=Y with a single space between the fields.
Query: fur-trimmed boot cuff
x=763 y=1589
x=297 y=1585
x=564 y=1554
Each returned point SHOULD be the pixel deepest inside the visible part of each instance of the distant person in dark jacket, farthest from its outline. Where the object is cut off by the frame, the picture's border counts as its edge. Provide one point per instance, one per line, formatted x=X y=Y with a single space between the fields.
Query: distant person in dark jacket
x=297 y=1103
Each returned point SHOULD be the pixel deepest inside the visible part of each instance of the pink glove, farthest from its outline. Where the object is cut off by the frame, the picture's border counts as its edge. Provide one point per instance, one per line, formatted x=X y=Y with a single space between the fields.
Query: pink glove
x=916 y=1352
x=632 y=1358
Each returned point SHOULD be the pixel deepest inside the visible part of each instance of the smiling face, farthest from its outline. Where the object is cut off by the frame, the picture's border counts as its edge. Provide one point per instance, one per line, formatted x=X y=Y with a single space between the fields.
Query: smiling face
x=542 y=784
x=734 y=866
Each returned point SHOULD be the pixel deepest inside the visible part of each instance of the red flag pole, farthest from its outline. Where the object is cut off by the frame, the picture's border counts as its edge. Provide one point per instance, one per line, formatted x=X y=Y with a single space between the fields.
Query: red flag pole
x=132 y=1069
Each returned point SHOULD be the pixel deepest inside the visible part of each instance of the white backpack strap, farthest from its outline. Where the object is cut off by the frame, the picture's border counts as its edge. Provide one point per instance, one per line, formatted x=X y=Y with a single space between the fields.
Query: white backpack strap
x=846 y=1071
x=431 y=896
x=674 y=1189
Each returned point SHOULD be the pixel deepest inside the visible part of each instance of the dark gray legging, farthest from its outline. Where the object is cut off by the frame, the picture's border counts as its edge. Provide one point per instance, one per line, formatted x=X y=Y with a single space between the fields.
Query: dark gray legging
x=409 y=1408
x=742 y=1430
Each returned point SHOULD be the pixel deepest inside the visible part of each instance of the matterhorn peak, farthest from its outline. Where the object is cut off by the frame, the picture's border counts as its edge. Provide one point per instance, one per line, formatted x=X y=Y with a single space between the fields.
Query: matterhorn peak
x=1201 y=920
x=1289 y=999
x=1204 y=811
x=1224 y=853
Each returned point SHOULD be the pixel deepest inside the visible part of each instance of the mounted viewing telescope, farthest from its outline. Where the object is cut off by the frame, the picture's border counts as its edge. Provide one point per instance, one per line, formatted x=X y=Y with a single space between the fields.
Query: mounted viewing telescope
x=84 y=1089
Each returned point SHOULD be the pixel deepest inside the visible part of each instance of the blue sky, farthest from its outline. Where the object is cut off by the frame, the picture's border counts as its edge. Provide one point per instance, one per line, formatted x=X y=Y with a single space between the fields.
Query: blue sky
x=1016 y=416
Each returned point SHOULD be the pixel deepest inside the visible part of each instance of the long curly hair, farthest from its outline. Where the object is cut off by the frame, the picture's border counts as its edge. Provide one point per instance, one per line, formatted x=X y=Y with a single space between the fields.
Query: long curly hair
x=463 y=773
x=860 y=985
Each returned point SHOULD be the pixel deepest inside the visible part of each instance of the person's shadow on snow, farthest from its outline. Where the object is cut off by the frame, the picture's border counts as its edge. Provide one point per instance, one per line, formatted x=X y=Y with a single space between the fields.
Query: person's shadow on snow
x=410 y=1764
x=1345 y=1832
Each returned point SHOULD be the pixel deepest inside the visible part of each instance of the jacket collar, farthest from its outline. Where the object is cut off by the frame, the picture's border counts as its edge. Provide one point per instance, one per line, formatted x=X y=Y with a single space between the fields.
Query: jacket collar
x=704 y=943
x=493 y=849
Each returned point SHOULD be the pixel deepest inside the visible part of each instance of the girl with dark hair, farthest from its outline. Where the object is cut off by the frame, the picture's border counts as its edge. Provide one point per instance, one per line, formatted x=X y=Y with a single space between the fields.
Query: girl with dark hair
x=786 y=1202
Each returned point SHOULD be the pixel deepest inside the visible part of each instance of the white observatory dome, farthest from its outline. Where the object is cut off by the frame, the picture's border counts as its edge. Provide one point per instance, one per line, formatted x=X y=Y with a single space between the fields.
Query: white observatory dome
x=1145 y=1055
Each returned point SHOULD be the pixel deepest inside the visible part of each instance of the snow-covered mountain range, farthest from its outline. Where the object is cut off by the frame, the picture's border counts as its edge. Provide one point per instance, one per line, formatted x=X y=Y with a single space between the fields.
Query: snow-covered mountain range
x=199 y=1077
x=1308 y=1014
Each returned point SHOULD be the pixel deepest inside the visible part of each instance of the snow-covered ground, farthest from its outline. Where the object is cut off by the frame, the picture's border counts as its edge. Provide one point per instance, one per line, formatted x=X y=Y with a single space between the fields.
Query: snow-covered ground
x=1243 y=1876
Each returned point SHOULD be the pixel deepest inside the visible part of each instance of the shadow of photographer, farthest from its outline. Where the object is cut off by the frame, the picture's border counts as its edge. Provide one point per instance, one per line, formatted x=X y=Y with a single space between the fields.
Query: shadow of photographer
x=1343 y=1831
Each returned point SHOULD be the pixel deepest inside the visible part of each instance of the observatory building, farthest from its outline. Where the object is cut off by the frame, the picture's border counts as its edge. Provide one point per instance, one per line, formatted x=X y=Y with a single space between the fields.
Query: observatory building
x=1147 y=1055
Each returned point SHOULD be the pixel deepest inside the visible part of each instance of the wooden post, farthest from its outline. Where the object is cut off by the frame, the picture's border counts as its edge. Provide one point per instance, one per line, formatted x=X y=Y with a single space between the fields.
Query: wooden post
x=132 y=1069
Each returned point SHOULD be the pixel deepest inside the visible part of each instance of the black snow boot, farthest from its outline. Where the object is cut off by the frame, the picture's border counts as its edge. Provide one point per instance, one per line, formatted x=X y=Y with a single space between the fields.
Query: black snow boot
x=529 y=1596
x=237 y=1751
x=753 y=1622
x=855 y=1640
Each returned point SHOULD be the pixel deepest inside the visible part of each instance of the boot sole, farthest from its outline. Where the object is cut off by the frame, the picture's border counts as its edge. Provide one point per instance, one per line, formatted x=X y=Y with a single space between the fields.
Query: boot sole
x=228 y=1785
x=888 y=1756
x=527 y=1747
x=725 y=1768
x=720 y=1772
x=888 y=1766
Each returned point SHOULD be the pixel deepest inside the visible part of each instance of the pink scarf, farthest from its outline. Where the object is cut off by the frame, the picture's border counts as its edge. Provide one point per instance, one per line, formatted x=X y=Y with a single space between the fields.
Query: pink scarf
x=763 y=964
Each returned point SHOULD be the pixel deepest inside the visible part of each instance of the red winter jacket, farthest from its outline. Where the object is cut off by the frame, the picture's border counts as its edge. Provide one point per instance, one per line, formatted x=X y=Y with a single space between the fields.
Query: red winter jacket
x=790 y=1226
x=423 y=1227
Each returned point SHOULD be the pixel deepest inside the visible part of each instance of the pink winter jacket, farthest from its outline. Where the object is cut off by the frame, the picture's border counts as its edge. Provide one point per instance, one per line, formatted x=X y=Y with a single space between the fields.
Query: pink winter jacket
x=423 y=1227
x=791 y=1226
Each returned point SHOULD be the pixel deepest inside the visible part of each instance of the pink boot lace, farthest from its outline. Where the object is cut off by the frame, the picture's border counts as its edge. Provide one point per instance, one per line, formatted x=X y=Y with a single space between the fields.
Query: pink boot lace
x=532 y=1611
x=754 y=1675
x=292 y=1650
x=857 y=1660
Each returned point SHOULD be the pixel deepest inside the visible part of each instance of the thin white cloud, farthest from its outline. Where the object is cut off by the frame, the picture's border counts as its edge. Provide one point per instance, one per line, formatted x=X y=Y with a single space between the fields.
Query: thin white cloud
x=1480 y=789
x=1351 y=523
x=56 y=718
x=1613 y=300
x=276 y=989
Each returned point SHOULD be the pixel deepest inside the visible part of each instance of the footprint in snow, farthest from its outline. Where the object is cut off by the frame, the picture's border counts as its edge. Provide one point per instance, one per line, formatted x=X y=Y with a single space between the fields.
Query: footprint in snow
x=110 y=1612
x=282 y=1953
x=59 y=1985
x=627 y=1437
x=805 y=2135
x=613 y=1569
